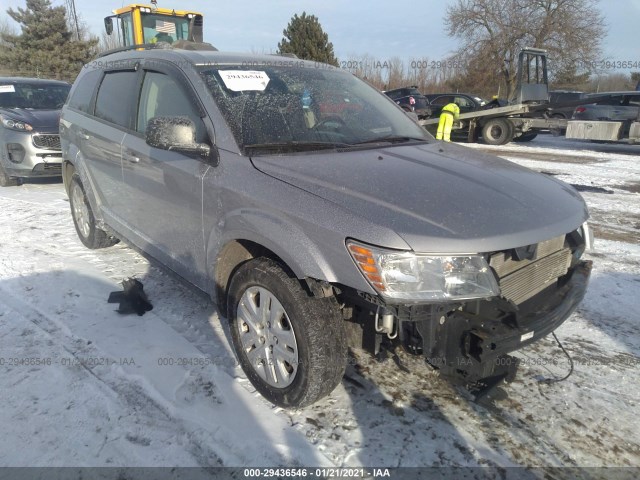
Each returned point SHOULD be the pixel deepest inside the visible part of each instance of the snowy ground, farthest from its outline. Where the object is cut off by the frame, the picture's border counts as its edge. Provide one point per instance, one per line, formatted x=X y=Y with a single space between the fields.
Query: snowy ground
x=81 y=385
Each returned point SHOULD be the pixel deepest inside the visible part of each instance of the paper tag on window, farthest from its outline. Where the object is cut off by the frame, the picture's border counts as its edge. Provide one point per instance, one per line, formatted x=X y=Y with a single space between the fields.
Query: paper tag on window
x=243 y=80
x=7 y=88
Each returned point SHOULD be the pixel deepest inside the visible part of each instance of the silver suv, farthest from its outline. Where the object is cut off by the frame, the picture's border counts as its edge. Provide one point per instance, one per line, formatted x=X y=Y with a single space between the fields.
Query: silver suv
x=316 y=226
x=29 y=140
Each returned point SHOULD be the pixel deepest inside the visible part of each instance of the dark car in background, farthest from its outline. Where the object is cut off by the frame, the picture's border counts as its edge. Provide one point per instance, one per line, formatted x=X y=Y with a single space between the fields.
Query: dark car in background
x=466 y=101
x=29 y=139
x=562 y=96
x=411 y=100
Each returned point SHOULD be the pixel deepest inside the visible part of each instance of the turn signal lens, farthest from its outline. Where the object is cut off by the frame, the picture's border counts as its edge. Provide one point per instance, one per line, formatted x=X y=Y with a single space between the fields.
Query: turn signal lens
x=365 y=261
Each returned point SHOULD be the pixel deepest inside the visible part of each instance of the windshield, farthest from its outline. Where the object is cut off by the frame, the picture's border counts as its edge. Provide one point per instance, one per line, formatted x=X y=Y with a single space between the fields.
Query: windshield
x=164 y=28
x=40 y=96
x=291 y=108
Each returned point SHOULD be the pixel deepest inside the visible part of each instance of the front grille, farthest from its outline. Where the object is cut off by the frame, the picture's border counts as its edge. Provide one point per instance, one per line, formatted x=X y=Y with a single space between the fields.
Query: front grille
x=46 y=141
x=521 y=280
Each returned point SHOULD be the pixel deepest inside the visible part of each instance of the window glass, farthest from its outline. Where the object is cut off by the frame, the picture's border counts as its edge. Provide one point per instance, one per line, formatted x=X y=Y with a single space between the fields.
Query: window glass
x=34 y=96
x=115 y=95
x=164 y=28
x=127 y=29
x=83 y=92
x=634 y=101
x=285 y=108
x=445 y=99
x=162 y=96
x=464 y=102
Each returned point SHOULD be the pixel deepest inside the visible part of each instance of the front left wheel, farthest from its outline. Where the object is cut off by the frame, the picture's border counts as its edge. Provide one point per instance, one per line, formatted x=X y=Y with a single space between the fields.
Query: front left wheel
x=6 y=180
x=90 y=235
x=290 y=344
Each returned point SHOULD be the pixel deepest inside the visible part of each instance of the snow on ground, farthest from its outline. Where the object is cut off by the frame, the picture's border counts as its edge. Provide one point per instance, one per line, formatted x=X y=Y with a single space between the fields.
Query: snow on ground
x=81 y=385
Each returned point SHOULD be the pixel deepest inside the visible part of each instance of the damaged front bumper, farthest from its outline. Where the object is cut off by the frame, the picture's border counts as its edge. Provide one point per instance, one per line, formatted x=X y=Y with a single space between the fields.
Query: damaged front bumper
x=472 y=346
x=469 y=342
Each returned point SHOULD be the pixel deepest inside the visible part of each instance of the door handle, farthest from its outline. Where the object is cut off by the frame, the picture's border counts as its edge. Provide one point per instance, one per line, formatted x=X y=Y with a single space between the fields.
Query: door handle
x=85 y=135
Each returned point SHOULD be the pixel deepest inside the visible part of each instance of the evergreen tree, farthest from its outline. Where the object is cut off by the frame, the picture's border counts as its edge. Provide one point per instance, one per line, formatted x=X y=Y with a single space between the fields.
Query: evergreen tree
x=305 y=38
x=45 y=47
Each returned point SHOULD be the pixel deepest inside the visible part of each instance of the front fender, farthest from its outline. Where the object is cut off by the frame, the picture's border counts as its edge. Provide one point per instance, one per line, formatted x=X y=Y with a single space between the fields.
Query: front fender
x=286 y=240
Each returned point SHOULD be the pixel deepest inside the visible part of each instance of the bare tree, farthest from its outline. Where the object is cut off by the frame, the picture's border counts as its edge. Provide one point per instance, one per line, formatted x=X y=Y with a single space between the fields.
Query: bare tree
x=493 y=32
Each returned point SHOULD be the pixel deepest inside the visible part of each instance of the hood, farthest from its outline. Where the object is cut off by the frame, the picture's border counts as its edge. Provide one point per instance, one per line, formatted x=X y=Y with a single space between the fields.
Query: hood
x=438 y=197
x=41 y=120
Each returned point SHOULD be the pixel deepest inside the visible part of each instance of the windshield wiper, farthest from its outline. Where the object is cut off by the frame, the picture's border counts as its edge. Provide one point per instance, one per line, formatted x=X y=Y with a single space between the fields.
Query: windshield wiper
x=296 y=146
x=391 y=139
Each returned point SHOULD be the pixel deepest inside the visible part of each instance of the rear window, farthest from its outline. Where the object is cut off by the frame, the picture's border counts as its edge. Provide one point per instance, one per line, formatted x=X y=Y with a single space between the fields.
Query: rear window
x=565 y=97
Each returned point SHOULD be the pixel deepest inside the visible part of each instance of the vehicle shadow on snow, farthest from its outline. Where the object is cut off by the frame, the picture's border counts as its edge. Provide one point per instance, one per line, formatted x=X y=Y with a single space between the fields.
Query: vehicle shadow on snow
x=173 y=360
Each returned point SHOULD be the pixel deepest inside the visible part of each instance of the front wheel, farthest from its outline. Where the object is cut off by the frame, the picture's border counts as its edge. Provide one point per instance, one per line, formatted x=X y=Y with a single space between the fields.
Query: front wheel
x=84 y=221
x=290 y=344
x=497 y=131
x=5 y=179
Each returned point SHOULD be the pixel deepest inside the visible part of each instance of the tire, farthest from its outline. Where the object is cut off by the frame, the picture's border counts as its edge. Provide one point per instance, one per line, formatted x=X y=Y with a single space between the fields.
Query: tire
x=90 y=235
x=527 y=137
x=497 y=131
x=6 y=180
x=309 y=359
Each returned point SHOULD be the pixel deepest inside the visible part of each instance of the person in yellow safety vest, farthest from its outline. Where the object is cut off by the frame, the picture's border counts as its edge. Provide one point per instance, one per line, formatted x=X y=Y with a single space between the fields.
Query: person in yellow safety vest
x=449 y=114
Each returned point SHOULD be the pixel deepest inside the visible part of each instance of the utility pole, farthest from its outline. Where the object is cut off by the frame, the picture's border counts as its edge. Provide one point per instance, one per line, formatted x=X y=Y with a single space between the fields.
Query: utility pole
x=71 y=7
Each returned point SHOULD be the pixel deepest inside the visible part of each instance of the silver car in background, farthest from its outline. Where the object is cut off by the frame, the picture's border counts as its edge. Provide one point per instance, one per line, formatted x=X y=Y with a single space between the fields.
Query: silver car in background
x=29 y=137
x=318 y=216
x=620 y=106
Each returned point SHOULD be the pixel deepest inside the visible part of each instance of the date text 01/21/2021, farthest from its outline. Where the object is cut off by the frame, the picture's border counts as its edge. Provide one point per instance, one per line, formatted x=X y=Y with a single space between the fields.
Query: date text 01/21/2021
x=317 y=472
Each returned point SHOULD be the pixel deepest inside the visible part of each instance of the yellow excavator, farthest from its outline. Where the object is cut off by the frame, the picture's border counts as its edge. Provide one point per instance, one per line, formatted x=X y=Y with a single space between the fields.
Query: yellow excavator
x=138 y=24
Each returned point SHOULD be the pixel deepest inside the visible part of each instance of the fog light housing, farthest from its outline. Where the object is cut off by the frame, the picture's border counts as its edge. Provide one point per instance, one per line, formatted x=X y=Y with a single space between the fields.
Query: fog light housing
x=15 y=152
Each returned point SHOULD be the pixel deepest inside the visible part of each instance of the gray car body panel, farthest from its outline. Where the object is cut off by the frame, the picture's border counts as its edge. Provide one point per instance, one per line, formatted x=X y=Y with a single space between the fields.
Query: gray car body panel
x=427 y=198
x=439 y=198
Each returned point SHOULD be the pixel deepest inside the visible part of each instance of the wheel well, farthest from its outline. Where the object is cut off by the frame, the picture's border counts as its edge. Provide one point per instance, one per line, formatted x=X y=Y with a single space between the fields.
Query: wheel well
x=232 y=255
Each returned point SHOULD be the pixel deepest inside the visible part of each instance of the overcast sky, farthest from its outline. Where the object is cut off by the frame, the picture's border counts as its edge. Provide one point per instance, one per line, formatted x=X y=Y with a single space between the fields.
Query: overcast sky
x=407 y=29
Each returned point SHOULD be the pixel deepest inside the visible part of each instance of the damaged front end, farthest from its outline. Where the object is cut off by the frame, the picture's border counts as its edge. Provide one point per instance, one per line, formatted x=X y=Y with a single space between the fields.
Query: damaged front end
x=468 y=341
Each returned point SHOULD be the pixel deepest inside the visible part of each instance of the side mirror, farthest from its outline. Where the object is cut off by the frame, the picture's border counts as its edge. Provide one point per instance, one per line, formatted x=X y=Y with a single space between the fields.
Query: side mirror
x=108 y=25
x=177 y=134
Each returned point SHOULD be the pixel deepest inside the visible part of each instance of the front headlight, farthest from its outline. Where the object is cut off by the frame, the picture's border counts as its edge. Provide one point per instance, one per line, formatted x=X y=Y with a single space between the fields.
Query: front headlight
x=15 y=124
x=416 y=277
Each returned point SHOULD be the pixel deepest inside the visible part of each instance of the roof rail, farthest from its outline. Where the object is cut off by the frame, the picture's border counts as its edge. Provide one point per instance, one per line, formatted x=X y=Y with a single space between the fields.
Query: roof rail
x=177 y=45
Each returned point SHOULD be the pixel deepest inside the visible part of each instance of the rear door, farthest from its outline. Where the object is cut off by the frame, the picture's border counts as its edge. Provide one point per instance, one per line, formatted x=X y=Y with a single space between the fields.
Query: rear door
x=164 y=188
x=102 y=137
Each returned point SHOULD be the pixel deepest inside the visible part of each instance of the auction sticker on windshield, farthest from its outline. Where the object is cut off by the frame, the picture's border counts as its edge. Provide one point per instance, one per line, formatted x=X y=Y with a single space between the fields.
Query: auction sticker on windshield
x=7 y=88
x=239 y=81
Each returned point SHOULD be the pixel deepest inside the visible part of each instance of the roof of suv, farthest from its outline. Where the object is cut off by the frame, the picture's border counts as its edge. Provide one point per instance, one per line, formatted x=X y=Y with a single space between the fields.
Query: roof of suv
x=213 y=57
